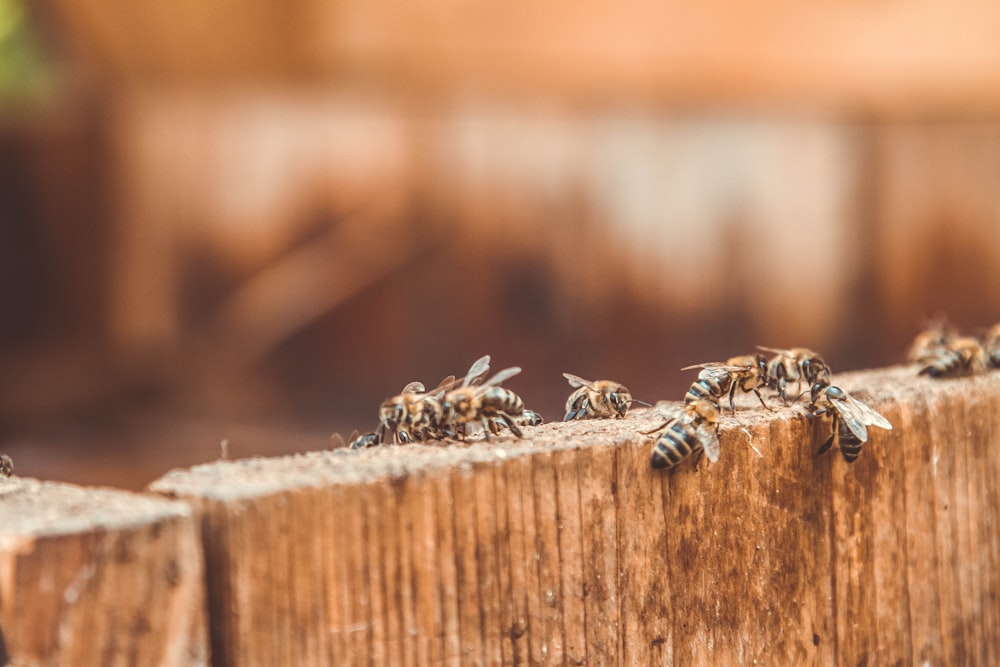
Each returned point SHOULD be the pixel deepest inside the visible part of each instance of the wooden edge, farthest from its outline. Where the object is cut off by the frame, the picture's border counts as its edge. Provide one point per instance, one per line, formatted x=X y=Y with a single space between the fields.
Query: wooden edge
x=99 y=576
x=567 y=546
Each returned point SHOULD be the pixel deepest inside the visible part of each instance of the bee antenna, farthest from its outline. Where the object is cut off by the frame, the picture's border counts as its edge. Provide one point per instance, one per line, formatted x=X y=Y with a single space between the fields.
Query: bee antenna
x=636 y=400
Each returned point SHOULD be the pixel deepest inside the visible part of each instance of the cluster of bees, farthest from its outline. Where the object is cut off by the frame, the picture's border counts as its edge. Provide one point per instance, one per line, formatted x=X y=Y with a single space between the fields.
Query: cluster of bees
x=457 y=409
x=693 y=427
x=942 y=353
x=453 y=409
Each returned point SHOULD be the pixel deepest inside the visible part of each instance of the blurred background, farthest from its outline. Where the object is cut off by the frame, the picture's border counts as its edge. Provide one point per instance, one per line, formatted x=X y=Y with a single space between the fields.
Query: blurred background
x=252 y=222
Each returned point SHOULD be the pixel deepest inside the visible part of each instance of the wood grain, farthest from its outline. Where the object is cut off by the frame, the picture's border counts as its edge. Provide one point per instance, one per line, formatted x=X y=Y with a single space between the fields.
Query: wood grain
x=567 y=548
x=98 y=577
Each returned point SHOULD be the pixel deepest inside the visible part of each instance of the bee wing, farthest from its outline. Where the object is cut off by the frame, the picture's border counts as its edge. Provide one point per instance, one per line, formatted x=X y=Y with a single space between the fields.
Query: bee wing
x=717 y=365
x=505 y=374
x=868 y=415
x=443 y=386
x=709 y=440
x=414 y=388
x=777 y=350
x=852 y=417
x=337 y=440
x=577 y=381
x=479 y=368
x=670 y=410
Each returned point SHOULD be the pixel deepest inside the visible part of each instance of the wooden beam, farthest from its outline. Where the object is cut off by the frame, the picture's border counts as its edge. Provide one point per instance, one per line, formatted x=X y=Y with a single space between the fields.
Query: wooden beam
x=98 y=577
x=566 y=547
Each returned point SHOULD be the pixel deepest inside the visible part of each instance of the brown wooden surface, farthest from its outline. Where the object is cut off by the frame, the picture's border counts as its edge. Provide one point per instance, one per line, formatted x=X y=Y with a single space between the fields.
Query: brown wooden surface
x=566 y=548
x=98 y=577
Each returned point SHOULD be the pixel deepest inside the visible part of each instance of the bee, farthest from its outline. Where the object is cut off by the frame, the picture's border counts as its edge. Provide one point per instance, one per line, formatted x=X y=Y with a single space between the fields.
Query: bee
x=796 y=364
x=488 y=404
x=690 y=428
x=362 y=441
x=530 y=418
x=928 y=344
x=747 y=373
x=851 y=420
x=6 y=466
x=991 y=346
x=602 y=399
x=957 y=357
x=416 y=414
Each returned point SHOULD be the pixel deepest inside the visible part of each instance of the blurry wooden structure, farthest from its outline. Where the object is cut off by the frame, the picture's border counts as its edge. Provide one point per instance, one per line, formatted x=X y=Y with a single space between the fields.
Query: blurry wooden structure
x=244 y=190
x=567 y=548
x=856 y=145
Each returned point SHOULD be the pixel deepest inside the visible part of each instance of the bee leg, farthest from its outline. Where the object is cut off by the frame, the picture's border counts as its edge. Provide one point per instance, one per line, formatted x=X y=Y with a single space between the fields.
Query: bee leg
x=825 y=447
x=513 y=427
x=654 y=430
x=732 y=403
x=782 y=390
x=761 y=398
x=699 y=456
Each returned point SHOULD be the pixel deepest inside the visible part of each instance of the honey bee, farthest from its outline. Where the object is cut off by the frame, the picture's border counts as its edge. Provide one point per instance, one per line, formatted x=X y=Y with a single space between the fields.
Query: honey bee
x=602 y=399
x=6 y=466
x=416 y=414
x=796 y=364
x=364 y=440
x=991 y=346
x=957 y=357
x=488 y=404
x=851 y=420
x=928 y=344
x=747 y=373
x=690 y=428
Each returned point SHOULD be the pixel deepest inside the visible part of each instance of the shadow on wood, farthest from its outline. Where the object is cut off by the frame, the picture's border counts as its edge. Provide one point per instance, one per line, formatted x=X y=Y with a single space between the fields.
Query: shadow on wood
x=566 y=548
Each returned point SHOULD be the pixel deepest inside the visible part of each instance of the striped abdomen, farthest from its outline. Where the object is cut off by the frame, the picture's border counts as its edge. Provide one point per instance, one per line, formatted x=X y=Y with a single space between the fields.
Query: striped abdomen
x=850 y=446
x=948 y=363
x=497 y=400
x=676 y=443
x=711 y=385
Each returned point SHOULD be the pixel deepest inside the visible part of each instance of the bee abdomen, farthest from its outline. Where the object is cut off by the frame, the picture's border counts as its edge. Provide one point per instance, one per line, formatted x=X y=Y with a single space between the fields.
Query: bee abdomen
x=575 y=405
x=502 y=400
x=673 y=447
x=947 y=363
x=850 y=448
x=702 y=389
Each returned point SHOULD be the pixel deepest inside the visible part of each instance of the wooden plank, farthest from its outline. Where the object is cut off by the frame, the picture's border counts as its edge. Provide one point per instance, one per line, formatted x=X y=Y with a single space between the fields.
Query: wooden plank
x=566 y=548
x=96 y=576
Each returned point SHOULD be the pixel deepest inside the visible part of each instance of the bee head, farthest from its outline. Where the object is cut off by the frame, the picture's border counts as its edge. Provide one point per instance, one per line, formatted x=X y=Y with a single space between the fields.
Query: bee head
x=620 y=399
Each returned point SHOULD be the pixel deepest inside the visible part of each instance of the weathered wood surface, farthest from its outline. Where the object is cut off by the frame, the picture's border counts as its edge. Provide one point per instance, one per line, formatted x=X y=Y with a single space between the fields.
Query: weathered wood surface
x=98 y=577
x=566 y=548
